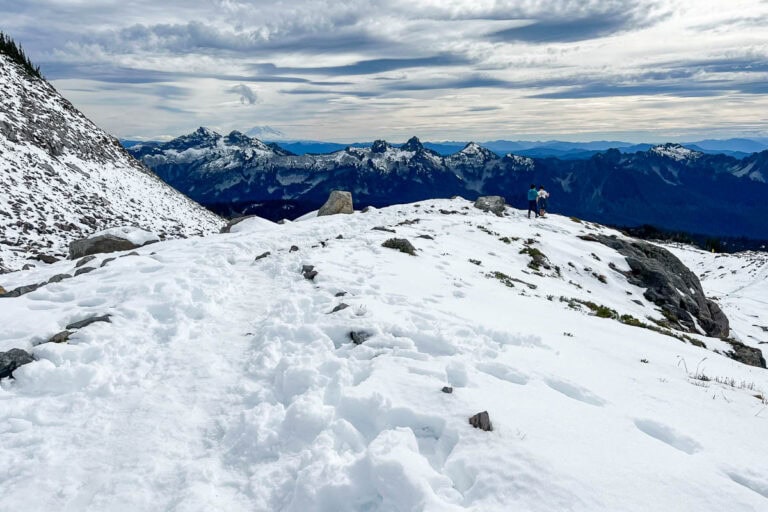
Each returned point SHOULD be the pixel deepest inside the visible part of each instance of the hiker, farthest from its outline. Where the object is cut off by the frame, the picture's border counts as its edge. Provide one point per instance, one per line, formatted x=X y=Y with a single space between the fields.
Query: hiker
x=532 y=197
x=541 y=199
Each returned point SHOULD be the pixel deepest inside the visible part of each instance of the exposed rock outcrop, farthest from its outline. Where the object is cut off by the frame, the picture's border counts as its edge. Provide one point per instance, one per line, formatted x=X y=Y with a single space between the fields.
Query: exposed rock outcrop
x=670 y=285
x=340 y=201
x=745 y=354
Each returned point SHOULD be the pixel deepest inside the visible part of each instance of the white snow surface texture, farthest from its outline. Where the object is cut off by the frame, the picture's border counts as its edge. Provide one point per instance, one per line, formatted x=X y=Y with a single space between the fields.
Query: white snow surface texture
x=224 y=382
x=62 y=178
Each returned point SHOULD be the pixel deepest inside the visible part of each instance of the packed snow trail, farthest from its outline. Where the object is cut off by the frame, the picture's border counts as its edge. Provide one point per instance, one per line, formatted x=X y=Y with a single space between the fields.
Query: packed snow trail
x=225 y=382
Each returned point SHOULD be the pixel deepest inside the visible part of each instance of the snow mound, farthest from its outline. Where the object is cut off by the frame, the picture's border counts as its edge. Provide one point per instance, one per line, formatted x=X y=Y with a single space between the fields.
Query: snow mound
x=227 y=382
x=134 y=235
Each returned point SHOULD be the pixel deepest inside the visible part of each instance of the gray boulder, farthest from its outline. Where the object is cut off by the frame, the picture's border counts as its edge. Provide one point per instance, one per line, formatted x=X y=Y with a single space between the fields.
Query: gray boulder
x=11 y=360
x=481 y=420
x=99 y=244
x=494 y=204
x=400 y=244
x=670 y=285
x=111 y=240
x=340 y=201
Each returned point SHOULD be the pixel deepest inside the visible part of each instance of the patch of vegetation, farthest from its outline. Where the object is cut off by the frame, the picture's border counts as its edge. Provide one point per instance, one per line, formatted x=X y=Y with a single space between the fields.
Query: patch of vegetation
x=9 y=47
x=486 y=230
x=595 y=256
x=538 y=258
x=501 y=276
x=508 y=239
x=576 y=220
x=600 y=277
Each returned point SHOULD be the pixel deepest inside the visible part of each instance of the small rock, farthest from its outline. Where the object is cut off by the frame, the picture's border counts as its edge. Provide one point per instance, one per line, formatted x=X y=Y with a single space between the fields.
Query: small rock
x=382 y=228
x=340 y=294
x=482 y=421
x=309 y=272
x=134 y=253
x=340 y=201
x=45 y=258
x=638 y=302
x=339 y=307
x=2 y=291
x=400 y=244
x=448 y=212
x=359 y=337
x=107 y=261
x=21 y=290
x=11 y=360
x=293 y=248
x=28 y=266
x=366 y=209
x=494 y=204
x=61 y=337
x=447 y=389
x=58 y=278
x=340 y=237
x=83 y=261
x=88 y=321
x=426 y=237
x=84 y=270
x=262 y=256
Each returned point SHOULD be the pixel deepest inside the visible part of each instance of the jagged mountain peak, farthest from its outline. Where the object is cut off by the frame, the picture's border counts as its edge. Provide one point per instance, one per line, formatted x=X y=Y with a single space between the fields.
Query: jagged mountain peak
x=675 y=151
x=380 y=146
x=413 y=144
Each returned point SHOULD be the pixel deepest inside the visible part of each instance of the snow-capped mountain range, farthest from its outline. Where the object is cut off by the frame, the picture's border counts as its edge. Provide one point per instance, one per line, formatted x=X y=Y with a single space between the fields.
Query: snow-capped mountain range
x=225 y=379
x=62 y=178
x=669 y=185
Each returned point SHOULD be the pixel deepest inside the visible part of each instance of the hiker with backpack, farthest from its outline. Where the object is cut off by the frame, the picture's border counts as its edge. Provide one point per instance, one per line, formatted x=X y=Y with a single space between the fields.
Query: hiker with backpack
x=532 y=198
x=541 y=199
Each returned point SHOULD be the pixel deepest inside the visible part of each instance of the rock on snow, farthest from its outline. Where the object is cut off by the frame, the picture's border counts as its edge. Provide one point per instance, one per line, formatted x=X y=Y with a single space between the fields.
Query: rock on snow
x=221 y=383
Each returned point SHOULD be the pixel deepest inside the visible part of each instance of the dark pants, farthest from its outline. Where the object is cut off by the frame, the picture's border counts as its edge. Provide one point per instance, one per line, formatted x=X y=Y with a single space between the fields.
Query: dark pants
x=532 y=208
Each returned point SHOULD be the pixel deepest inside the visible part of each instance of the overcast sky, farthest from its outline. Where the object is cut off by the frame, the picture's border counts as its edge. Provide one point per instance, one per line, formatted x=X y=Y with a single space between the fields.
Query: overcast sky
x=351 y=70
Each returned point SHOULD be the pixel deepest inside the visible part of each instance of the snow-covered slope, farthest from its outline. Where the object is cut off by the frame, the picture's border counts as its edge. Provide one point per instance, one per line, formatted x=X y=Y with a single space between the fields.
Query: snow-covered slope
x=227 y=382
x=61 y=177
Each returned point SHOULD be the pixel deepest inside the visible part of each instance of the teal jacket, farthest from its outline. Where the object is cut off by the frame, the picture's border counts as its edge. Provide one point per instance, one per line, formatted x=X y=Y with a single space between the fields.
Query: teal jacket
x=532 y=194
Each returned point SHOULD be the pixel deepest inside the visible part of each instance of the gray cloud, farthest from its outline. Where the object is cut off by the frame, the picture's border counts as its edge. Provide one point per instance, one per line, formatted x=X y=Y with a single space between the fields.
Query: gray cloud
x=370 y=67
x=247 y=95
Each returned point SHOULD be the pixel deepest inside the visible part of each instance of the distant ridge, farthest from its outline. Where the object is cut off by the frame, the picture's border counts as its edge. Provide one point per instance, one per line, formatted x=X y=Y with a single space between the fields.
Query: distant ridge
x=667 y=185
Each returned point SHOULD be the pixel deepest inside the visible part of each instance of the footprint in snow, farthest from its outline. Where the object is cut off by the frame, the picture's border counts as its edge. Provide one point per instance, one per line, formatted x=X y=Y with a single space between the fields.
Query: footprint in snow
x=575 y=392
x=668 y=435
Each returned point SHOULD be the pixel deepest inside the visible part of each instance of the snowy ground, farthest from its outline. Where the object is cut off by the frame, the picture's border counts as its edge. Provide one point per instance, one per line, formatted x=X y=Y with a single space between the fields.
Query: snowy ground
x=225 y=383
